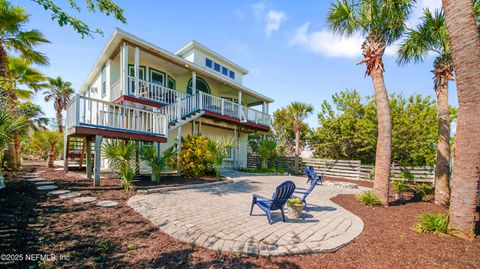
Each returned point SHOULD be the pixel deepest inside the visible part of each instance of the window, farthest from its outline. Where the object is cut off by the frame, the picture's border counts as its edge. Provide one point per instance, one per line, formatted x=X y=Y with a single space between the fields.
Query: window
x=201 y=85
x=171 y=83
x=231 y=74
x=104 y=82
x=141 y=71
x=216 y=66
x=225 y=70
x=157 y=77
x=208 y=62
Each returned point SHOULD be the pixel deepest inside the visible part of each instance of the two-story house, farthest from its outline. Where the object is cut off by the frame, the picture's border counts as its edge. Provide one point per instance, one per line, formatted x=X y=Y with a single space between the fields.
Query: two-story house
x=139 y=91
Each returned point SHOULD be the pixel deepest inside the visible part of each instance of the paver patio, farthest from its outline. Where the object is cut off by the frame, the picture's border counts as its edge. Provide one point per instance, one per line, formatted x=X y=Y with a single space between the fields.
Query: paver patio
x=218 y=218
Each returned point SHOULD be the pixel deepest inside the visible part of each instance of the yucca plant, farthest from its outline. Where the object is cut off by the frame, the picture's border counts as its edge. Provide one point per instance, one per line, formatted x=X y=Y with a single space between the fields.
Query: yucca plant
x=149 y=154
x=121 y=157
x=218 y=148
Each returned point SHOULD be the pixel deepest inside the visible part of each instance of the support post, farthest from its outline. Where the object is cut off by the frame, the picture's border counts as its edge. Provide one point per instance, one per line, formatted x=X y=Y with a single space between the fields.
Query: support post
x=89 y=158
x=194 y=82
x=98 y=154
x=136 y=72
x=200 y=96
x=179 y=147
x=77 y=110
x=124 y=68
x=65 y=152
x=240 y=105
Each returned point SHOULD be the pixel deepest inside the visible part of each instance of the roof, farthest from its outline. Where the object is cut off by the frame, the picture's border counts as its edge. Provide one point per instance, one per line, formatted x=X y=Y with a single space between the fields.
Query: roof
x=119 y=35
x=194 y=44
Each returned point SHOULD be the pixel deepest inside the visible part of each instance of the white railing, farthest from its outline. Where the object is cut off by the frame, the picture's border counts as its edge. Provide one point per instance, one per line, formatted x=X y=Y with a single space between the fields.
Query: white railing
x=219 y=105
x=257 y=117
x=154 y=92
x=181 y=108
x=88 y=112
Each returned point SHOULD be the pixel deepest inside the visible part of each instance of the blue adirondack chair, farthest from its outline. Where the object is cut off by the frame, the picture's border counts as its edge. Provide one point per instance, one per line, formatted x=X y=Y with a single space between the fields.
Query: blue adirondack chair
x=277 y=202
x=306 y=192
x=310 y=172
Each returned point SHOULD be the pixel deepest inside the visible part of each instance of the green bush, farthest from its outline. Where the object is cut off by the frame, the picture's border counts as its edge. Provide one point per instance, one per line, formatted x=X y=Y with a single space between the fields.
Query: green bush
x=149 y=154
x=399 y=186
x=121 y=157
x=195 y=160
x=294 y=201
x=432 y=222
x=425 y=191
x=369 y=198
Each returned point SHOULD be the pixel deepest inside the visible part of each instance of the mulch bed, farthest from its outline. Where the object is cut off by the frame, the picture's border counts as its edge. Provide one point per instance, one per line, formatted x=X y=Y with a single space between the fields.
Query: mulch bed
x=119 y=237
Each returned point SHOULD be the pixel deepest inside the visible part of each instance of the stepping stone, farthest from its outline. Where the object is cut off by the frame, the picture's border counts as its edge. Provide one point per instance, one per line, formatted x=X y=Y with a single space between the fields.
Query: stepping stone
x=47 y=187
x=59 y=169
x=70 y=195
x=57 y=192
x=107 y=203
x=35 y=179
x=44 y=183
x=85 y=199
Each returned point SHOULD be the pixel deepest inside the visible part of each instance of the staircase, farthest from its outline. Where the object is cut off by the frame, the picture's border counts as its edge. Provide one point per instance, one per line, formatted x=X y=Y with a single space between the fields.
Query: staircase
x=76 y=150
x=182 y=112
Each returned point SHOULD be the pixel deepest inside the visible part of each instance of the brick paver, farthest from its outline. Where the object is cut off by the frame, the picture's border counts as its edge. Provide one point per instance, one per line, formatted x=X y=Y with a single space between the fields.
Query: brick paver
x=217 y=217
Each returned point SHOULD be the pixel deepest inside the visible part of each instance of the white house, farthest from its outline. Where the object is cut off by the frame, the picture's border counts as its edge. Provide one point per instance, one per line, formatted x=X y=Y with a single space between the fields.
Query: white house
x=138 y=91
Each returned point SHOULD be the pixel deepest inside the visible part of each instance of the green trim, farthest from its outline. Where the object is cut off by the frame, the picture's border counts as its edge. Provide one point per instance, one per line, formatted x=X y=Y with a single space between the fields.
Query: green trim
x=174 y=82
x=189 y=85
x=150 y=69
x=139 y=67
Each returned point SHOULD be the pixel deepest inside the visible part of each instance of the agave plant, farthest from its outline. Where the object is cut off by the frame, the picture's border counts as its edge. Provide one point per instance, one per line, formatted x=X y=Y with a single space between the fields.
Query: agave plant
x=218 y=148
x=149 y=154
x=121 y=157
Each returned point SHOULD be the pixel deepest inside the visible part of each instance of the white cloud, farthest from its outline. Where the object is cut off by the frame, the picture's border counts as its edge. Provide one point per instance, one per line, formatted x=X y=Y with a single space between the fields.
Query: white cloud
x=431 y=4
x=258 y=10
x=326 y=43
x=273 y=21
x=417 y=13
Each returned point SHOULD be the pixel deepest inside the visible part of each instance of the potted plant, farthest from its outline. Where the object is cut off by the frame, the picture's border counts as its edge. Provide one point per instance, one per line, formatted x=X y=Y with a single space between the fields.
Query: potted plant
x=295 y=206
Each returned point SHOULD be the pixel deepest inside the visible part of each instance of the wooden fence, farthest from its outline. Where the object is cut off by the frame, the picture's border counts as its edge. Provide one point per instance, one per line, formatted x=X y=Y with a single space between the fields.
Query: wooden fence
x=350 y=169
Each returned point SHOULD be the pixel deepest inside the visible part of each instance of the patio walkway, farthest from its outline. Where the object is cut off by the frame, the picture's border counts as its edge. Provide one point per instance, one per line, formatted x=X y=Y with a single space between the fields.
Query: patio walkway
x=218 y=218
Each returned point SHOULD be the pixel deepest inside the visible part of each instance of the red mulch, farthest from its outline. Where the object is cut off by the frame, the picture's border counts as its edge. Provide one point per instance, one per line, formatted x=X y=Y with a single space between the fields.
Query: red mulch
x=119 y=237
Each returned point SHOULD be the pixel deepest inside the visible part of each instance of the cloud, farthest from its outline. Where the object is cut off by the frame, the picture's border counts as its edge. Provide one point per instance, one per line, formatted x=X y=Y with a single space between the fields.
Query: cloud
x=326 y=43
x=417 y=13
x=273 y=21
x=258 y=10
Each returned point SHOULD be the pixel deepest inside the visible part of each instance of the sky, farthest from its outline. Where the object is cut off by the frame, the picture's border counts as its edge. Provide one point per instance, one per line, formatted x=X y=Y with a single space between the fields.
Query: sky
x=286 y=46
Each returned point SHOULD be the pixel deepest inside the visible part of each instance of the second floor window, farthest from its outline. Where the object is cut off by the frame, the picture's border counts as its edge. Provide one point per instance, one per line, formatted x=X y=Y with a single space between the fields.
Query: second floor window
x=219 y=68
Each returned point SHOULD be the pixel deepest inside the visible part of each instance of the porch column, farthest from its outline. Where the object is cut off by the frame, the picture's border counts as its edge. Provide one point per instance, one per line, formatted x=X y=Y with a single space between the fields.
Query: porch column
x=124 y=68
x=98 y=154
x=240 y=105
x=194 y=82
x=136 y=72
x=179 y=147
x=65 y=151
x=89 y=158
x=264 y=111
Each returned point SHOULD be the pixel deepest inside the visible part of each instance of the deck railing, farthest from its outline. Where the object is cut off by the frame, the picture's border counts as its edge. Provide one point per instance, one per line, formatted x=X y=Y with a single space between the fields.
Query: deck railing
x=153 y=91
x=88 y=112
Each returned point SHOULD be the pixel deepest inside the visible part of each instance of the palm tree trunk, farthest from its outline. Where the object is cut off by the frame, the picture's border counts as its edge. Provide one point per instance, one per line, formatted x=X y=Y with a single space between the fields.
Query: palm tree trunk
x=51 y=157
x=465 y=43
x=3 y=61
x=381 y=185
x=297 y=149
x=16 y=139
x=442 y=168
x=60 y=121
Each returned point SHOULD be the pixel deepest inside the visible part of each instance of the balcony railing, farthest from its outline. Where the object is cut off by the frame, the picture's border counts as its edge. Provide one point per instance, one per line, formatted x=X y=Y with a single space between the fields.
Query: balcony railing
x=153 y=91
x=88 y=112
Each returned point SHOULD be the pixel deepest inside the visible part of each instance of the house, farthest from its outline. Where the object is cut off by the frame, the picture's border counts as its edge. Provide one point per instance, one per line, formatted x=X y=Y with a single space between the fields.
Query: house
x=138 y=91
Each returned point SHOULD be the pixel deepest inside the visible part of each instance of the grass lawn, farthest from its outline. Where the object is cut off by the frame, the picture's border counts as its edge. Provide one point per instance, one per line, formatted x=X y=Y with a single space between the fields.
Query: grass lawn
x=32 y=222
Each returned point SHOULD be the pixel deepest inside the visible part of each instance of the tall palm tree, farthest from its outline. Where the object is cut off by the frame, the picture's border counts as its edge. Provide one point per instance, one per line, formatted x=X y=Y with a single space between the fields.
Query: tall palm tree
x=60 y=92
x=465 y=47
x=381 y=22
x=297 y=112
x=431 y=36
x=14 y=38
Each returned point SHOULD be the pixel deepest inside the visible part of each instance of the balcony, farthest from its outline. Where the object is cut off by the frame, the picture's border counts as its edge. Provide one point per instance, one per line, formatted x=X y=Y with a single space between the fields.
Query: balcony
x=88 y=116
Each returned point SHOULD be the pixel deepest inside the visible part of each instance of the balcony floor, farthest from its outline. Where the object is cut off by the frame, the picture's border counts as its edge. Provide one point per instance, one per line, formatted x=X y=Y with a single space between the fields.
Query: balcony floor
x=214 y=115
x=115 y=133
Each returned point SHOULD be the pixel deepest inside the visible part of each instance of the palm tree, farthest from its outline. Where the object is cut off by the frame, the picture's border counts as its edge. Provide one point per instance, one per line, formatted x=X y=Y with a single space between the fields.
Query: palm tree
x=47 y=142
x=381 y=22
x=122 y=157
x=13 y=37
x=297 y=112
x=218 y=149
x=465 y=47
x=8 y=125
x=431 y=36
x=60 y=92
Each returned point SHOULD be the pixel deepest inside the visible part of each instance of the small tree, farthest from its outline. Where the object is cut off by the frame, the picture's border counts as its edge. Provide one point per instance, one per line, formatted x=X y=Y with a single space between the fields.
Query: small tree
x=218 y=148
x=47 y=143
x=8 y=125
x=121 y=157
x=267 y=151
x=158 y=163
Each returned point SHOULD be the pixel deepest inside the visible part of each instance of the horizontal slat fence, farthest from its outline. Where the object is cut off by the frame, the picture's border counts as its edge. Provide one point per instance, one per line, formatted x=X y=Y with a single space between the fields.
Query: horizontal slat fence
x=350 y=169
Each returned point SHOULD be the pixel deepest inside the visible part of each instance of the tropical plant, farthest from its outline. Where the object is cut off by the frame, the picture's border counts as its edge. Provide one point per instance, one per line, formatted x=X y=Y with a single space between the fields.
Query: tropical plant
x=60 y=92
x=431 y=36
x=8 y=125
x=432 y=222
x=381 y=22
x=369 y=198
x=121 y=157
x=218 y=148
x=267 y=151
x=149 y=154
x=284 y=131
x=195 y=160
x=171 y=156
x=48 y=143
x=425 y=191
x=297 y=112
x=36 y=120
x=14 y=38
x=464 y=39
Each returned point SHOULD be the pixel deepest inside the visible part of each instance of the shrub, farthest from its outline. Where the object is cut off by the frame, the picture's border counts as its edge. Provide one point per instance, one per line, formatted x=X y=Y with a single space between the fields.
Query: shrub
x=369 y=198
x=425 y=191
x=432 y=222
x=408 y=176
x=218 y=149
x=121 y=157
x=294 y=201
x=195 y=158
x=399 y=186
x=149 y=154
x=266 y=147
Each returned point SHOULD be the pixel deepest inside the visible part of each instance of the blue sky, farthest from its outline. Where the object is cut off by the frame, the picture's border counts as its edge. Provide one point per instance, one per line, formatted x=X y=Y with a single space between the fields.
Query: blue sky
x=285 y=45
